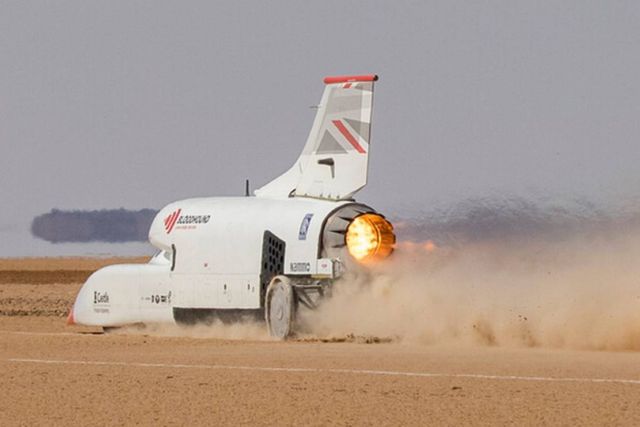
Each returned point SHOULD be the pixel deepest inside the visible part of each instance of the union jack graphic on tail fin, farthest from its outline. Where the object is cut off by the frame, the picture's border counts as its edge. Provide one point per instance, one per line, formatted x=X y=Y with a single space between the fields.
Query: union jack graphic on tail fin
x=334 y=162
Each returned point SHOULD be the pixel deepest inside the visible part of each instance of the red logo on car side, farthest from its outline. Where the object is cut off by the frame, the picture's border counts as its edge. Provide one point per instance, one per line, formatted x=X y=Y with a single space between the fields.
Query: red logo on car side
x=171 y=220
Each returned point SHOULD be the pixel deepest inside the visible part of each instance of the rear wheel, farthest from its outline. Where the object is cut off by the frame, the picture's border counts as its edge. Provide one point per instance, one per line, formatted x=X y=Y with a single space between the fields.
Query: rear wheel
x=280 y=307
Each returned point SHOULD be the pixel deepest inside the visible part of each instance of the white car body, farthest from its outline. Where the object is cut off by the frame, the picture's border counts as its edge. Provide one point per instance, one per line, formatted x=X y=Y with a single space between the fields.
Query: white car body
x=221 y=253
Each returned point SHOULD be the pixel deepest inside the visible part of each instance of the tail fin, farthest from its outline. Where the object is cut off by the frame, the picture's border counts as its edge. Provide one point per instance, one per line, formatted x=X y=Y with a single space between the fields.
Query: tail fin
x=334 y=162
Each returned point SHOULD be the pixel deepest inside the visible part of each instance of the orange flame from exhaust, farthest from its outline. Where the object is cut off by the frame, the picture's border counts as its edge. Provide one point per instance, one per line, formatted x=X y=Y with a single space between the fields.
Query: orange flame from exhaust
x=370 y=237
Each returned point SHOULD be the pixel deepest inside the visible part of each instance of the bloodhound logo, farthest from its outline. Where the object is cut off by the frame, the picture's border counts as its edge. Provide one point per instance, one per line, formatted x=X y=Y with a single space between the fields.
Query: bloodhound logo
x=171 y=220
x=183 y=222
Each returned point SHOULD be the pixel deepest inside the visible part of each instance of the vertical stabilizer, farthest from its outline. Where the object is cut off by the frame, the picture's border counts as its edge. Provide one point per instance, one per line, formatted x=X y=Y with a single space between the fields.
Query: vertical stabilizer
x=334 y=162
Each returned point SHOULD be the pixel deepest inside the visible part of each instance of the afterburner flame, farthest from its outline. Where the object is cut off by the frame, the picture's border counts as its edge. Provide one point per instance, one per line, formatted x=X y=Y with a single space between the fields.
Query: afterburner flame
x=370 y=237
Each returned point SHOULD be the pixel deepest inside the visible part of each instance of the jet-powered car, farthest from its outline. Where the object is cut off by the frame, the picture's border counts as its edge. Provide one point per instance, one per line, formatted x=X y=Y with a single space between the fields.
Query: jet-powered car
x=227 y=257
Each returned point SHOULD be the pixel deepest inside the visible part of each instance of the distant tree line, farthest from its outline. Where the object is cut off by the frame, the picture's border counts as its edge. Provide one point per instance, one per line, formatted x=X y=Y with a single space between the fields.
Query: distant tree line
x=107 y=225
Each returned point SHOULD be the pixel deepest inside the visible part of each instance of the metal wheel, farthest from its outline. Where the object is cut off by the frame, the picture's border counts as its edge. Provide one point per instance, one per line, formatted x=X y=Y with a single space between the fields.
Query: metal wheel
x=280 y=307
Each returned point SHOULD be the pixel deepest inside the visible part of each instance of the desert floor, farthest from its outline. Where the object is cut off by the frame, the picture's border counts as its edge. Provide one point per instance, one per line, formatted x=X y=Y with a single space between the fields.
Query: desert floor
x=53 y=374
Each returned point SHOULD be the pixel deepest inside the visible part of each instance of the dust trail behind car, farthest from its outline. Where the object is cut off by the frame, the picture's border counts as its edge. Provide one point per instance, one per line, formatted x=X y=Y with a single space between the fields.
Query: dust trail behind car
x=565 y=287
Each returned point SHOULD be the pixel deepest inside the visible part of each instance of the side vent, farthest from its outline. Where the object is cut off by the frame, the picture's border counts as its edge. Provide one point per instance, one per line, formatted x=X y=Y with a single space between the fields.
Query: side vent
x=272 y=261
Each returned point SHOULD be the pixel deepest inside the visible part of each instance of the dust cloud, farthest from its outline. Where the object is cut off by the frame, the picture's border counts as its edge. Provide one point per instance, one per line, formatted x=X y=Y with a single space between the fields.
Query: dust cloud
x=245 y=330
x=580 y=292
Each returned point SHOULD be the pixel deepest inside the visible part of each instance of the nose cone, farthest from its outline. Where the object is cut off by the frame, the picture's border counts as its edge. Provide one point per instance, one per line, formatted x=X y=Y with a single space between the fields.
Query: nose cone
x=82 y=309
x=70 y=318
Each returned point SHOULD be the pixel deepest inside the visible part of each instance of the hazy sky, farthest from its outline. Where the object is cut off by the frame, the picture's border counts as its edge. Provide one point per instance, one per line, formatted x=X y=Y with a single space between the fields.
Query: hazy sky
x=136 y=104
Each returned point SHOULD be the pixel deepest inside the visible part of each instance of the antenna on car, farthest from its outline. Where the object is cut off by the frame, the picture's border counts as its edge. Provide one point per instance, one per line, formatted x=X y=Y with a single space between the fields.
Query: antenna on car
x=246 y=188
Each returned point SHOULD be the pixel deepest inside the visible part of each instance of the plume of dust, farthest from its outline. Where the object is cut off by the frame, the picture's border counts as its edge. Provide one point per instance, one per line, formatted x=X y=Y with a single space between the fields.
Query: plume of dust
x=247 y=329
x=580 y=293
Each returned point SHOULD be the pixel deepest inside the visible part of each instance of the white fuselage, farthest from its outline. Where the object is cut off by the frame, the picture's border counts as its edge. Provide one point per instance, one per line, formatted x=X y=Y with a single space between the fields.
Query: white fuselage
x=221 y=253
x=212 y=257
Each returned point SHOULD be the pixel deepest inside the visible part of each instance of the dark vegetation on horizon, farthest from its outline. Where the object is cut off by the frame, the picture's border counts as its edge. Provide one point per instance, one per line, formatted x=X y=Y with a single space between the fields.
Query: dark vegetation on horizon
x=107 y=225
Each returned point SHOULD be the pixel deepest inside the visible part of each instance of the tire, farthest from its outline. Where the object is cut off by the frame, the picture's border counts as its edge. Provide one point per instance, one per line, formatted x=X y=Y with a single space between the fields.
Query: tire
x=280 y=307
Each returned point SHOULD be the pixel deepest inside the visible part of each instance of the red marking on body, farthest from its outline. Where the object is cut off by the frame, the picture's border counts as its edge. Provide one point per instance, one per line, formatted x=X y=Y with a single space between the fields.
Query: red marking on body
x=167 y=220
x=172 y=220
x=346 y=79
x=345 y=132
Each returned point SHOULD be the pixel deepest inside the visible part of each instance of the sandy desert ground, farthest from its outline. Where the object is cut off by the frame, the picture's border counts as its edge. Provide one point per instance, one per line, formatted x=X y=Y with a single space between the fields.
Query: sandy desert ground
x=53 y=374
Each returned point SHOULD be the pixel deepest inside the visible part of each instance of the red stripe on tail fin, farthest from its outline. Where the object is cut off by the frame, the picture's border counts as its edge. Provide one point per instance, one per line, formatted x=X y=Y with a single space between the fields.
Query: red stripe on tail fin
x=345 y=132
